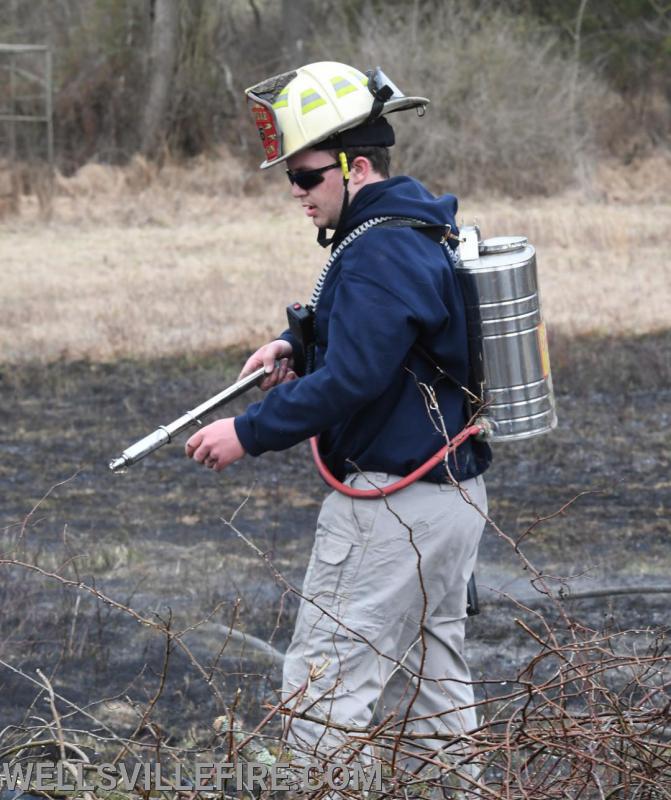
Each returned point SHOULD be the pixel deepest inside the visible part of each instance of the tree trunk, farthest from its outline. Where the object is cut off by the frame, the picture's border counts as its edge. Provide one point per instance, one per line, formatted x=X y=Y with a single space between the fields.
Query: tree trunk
x=295 y=29
x=162 y=62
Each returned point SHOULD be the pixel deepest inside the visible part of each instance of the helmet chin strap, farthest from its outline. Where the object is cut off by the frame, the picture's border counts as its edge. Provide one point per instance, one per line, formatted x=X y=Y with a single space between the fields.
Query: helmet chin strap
x=322 y=239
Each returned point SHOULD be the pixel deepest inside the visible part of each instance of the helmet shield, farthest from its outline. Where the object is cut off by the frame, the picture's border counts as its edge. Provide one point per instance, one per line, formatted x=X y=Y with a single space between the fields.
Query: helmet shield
x=266 y=124
x=261 y=99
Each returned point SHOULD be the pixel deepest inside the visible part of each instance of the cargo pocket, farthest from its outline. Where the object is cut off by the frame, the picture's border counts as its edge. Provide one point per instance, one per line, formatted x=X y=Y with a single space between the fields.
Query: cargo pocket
x=329 y=573
x=327 y=587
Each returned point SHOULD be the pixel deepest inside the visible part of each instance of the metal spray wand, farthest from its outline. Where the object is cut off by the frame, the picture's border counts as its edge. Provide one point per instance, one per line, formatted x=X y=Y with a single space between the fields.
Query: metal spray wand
x=191 y=419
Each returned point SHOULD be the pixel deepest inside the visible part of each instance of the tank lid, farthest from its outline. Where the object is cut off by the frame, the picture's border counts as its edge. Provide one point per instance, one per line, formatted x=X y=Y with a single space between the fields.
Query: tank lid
x=502 y=244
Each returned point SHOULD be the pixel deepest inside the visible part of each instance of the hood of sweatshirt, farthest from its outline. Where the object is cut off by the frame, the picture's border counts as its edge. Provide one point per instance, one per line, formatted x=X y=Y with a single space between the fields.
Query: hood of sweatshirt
x=400 y=197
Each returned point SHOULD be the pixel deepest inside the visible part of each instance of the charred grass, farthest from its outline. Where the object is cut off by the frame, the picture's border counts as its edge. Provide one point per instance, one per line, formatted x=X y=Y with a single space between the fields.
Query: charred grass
x=155 y=539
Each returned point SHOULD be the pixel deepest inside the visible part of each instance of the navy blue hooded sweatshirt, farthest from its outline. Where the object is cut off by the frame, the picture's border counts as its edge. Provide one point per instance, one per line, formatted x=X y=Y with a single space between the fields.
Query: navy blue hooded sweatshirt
x=388 y=289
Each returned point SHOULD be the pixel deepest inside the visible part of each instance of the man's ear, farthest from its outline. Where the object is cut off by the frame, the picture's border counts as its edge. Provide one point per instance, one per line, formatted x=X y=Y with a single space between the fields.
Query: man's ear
x=360 y=169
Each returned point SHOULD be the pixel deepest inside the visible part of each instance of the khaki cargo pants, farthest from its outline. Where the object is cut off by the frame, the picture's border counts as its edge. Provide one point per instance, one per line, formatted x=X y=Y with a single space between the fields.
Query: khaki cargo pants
x=385 y=602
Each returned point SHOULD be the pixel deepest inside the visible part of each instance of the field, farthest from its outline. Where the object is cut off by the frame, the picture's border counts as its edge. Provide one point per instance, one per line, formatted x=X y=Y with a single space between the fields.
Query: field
x=133 y=265
x=140 y=296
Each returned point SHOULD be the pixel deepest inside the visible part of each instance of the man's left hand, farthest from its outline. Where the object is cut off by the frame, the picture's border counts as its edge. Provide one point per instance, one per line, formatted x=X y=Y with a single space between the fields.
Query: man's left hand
x=216 y=445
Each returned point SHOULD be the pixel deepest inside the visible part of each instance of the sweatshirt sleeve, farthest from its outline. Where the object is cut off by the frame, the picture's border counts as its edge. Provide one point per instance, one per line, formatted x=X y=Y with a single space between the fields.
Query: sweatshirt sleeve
x=288 y=336
x=372 y=326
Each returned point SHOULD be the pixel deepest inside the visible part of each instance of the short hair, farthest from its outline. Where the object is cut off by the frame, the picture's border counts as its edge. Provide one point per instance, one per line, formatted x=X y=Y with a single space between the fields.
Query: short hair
x=379 y=157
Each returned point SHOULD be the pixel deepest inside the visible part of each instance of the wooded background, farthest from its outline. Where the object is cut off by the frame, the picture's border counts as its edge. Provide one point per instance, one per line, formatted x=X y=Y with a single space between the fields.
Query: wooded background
x=526 y=95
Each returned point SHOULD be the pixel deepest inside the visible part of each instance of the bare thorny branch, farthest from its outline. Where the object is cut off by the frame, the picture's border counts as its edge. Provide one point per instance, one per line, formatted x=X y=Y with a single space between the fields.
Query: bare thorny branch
x=586 y=716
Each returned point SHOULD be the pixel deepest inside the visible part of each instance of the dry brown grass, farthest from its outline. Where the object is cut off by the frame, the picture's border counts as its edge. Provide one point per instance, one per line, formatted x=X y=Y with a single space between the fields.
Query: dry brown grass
x=135 y=263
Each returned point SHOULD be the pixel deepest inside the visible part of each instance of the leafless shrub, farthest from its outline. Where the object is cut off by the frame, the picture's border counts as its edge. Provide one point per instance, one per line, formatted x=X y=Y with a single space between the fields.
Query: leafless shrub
x=502 y=114
x=586 y=716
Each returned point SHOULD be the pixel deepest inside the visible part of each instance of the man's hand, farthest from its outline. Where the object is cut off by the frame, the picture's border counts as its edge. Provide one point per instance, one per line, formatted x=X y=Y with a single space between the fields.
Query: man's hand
x=265 y=357
x=216 y=445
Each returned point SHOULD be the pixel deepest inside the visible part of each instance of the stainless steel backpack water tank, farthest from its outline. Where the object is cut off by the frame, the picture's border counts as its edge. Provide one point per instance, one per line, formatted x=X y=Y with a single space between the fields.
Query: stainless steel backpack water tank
x=507 y=338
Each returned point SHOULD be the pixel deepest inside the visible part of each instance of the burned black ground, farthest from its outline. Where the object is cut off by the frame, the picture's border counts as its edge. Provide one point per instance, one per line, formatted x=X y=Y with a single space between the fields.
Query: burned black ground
x=157 y=538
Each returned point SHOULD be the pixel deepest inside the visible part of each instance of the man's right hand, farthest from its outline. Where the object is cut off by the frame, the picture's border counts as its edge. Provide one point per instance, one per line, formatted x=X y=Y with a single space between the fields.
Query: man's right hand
x=265 y=356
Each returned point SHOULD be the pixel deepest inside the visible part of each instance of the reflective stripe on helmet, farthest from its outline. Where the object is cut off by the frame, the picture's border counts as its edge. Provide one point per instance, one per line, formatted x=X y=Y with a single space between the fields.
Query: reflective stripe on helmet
x=311 y=99
x=342 y=86
x=360 y=76
x=282 y=100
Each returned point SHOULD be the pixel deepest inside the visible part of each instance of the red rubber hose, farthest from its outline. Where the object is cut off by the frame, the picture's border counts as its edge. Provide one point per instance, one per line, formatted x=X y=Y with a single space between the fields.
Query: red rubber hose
x=436 y=459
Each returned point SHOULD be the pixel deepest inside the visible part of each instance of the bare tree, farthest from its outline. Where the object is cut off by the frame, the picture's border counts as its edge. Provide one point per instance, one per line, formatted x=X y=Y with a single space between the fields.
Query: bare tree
x=162 y=62
x=295 y=28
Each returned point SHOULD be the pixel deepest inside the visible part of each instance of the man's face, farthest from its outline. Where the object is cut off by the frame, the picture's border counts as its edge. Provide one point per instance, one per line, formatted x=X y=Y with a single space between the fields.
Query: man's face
x=323 y=202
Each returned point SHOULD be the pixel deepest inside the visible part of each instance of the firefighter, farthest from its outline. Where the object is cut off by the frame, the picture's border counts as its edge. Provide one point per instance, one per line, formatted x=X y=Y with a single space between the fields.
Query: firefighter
x=384 y=596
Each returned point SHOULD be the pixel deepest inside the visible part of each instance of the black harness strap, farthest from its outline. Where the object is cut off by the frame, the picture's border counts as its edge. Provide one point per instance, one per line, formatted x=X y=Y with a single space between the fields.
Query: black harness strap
x=440 y=235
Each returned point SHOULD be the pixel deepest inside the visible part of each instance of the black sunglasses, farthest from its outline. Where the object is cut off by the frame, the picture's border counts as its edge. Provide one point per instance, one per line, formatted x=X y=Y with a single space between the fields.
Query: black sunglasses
x=309 y=178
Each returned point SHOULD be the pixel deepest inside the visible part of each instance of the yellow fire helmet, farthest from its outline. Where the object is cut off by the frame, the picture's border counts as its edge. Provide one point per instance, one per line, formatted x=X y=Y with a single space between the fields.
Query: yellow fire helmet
x=301 y=108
